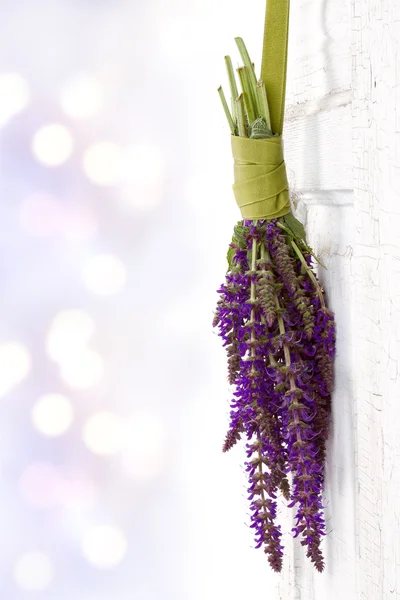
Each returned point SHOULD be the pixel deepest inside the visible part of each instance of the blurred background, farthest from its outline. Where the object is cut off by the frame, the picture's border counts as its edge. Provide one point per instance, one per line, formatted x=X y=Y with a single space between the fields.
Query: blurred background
x=115 y=215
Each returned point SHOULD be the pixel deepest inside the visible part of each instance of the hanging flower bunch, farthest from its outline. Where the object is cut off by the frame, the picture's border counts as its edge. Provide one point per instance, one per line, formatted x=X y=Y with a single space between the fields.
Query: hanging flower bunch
x=279 y=338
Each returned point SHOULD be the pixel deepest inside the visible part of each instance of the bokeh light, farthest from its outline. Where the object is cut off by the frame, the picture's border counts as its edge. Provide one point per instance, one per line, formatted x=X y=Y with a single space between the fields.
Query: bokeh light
x=80 y=223
x=143 y=177
x=79 y=492
x=104 y=546
x=44 y=215
x=41 y=485
x=52 y=414
x=102 y=433
x=33 y=572
x=101 y=453
x=83 y=369
x=69 y=333
x=144 y=446
x=45 y=486
x=15 y=364
x=52 y=145
x=14 y=95
x=82 y=97
x=40 y=215
x=102 y=163
x=104 y=274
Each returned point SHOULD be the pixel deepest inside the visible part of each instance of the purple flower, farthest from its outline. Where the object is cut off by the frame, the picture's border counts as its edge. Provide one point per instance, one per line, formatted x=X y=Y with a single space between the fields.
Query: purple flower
x=280 y=341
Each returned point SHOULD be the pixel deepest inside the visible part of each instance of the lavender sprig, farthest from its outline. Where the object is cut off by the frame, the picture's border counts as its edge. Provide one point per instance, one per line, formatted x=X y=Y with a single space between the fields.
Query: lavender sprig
x=280 y=342
x=283 y=382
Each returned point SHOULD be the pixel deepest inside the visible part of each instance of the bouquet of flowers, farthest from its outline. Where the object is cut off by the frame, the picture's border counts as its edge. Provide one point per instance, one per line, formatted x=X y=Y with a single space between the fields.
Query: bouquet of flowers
x=272 y=315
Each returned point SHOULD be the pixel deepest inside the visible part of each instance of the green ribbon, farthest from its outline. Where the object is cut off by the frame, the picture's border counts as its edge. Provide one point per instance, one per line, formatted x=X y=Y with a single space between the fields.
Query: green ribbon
x=261 y=187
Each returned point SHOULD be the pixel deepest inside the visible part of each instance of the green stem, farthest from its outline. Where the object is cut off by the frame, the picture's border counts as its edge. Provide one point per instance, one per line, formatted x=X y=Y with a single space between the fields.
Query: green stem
x=309 y=271
x=281 y=323
x=282 y=226
x=226 y=110
x=233 y=86
x=288 y=362
x=242 y=129
x=247 y=91
x=253 y=268
x=282 y=331
x=250 y=71
x=263 y=103
x=253 y=355
x=296 y=417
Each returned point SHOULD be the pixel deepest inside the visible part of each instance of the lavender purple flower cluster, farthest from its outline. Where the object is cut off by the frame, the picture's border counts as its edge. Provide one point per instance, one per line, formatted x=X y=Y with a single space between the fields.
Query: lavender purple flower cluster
x=280 y=342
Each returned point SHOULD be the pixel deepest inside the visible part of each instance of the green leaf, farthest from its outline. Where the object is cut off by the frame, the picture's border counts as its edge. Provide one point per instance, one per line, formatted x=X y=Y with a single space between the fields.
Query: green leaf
x=240 y=233
x=295 y=226
x=259 y=129
x=229 y=256
x=287 y=231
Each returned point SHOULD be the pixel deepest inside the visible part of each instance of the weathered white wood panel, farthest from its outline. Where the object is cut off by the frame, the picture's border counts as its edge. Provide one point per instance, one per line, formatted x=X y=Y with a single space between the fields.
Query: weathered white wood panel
x=319 y=63
x=318 y=150
x=353 y=222
x=375 y=276
x=330 y=230
x=318 y=147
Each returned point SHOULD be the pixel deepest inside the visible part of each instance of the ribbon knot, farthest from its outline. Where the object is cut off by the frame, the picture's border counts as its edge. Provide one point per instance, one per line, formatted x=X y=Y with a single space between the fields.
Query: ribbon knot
x=261 y=187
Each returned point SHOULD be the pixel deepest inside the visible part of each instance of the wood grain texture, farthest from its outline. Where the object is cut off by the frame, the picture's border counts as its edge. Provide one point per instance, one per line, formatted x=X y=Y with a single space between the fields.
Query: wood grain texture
x=318 y=150
x=319 y=57
x=352 y=213
x=375 y=276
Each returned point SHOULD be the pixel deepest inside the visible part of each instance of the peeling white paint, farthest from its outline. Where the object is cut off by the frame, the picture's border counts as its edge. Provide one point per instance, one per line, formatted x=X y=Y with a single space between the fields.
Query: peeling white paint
x=343 y=160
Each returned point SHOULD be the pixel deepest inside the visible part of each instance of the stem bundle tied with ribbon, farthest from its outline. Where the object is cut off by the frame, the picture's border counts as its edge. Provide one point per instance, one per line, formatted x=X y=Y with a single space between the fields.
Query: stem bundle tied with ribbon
x=272 y=316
